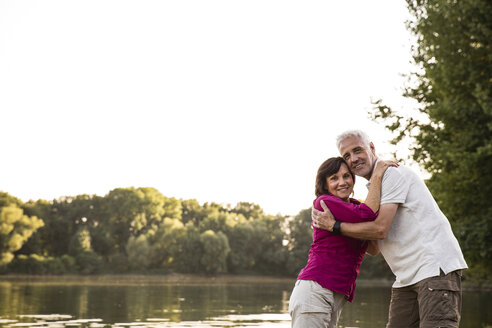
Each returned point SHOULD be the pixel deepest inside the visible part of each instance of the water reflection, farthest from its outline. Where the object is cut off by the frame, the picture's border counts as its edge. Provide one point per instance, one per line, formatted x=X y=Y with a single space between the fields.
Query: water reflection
x=177 y=301
x=57 y=321
x=186 y=302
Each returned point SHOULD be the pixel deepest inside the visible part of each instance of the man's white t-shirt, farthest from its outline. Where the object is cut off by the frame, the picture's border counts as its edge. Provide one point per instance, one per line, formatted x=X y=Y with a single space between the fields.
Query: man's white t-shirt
x=420 y=241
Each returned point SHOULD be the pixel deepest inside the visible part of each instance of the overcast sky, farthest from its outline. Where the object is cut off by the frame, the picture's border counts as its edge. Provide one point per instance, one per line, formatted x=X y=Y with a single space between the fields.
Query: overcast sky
x=221 y=101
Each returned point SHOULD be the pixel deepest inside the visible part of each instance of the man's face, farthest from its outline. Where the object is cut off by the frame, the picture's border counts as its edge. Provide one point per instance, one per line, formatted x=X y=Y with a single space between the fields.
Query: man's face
x=360 y=156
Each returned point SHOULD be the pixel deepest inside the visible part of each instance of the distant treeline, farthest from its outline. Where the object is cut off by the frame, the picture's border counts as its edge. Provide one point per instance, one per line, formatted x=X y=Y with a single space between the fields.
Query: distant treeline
x=138 y=230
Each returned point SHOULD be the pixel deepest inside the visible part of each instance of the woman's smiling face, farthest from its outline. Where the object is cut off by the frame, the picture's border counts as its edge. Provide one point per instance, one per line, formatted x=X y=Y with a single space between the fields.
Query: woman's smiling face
x=341 y=183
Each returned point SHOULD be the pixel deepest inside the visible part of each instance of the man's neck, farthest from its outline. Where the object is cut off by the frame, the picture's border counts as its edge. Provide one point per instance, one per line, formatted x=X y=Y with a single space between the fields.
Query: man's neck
x=368 y=177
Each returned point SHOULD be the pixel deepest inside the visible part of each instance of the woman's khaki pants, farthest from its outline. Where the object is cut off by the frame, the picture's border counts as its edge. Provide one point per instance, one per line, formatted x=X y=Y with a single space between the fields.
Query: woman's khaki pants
x=314 y=306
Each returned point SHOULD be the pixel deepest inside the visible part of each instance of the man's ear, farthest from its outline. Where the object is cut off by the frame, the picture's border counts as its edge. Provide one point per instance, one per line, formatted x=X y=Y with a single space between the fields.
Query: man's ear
x=373 y=149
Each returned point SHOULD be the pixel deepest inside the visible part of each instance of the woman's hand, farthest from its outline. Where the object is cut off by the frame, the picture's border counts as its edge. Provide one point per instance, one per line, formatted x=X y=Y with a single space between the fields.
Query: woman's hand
x=383 y=165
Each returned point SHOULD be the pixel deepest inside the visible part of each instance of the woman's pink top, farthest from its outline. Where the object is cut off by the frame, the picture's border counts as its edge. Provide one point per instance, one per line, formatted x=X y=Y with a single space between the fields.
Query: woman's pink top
x=334 y=260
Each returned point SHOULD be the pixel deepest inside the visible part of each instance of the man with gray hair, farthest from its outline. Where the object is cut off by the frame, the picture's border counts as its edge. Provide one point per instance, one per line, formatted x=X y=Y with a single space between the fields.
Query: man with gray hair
x=414 y=237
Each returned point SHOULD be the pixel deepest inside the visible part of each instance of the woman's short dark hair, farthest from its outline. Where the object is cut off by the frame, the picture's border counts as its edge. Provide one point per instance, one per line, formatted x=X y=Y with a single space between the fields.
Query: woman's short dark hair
x=327 y=169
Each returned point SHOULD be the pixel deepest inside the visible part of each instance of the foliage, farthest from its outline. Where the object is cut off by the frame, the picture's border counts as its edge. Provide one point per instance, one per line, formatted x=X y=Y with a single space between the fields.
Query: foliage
x=164 y=242
x=131 y=212
x=45 y=238
x=269 y=239
x=193 y=212
x=453 y=141
x=299 y=241
x=215 y=250
x=138 y=250
x=62 y=219
x=87 y=234
x=88 y=262
x=248 y=210
x=244 y=250
x=375 y=267
x=6 y=200
x=118 y=263
x=15 y=229
x=188 y=250
x=81 y=242
x=37 y=264
x=220 y=221
x=68 y=263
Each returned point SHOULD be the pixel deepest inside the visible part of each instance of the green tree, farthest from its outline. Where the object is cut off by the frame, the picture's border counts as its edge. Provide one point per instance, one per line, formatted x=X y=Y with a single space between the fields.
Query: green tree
x=299 y=241
x=453 y=141
x=43 y=240
x=164 y=242
x=6 y=200
x=131 y=212
x=81 y=242
x=139 y=252
x=248 y=210
x=270 y=233
x=15 y=229
x=192 y=212
x=244 y=249
x=221 y=221
x=215 y=250
x=63 y=218
x=188 y=250
x=89 y=262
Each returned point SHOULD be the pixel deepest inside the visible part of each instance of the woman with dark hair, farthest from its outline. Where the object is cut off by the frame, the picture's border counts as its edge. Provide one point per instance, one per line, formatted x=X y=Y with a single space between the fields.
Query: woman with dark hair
x=328 y=279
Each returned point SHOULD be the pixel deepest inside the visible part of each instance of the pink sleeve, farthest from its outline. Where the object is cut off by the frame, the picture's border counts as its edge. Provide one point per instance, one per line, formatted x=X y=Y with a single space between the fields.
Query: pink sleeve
x=346 y=212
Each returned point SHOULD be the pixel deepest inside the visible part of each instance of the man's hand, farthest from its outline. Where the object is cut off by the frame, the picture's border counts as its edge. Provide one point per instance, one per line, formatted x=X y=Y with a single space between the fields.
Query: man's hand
x=323 y=220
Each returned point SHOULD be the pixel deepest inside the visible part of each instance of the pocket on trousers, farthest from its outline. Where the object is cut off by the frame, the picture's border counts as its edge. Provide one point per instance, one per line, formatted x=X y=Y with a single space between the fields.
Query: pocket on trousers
x=320 y=299
x=443 y=300
x=309 y=297
x=313 y=308
x=443 y=285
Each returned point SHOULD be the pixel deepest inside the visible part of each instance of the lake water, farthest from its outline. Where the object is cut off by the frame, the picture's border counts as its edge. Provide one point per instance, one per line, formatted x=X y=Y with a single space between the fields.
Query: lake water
x=186 y=301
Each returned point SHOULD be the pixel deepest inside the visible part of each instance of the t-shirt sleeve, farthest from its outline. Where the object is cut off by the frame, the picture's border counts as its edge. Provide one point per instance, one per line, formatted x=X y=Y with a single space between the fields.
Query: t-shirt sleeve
x=346 y=212
x=394 y=188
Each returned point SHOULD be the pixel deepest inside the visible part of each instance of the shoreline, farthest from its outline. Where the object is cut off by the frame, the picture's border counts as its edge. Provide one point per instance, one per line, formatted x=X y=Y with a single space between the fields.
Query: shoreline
x=188 y=279
x=142 y=279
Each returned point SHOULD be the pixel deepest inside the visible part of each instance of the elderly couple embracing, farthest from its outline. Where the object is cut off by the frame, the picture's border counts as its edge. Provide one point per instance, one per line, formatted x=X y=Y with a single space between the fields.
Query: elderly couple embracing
x=400 y=219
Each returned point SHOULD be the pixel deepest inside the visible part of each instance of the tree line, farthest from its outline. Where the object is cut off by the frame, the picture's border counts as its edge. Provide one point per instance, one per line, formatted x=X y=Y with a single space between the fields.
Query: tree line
x=453 y=142
x=139 y=230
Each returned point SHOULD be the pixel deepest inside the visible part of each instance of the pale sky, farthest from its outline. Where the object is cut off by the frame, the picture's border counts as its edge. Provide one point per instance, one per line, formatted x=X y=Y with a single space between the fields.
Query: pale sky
x=220 y=101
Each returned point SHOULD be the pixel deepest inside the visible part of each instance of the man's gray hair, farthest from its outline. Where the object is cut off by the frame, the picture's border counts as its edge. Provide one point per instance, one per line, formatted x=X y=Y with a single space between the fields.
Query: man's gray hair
x=353 y=133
